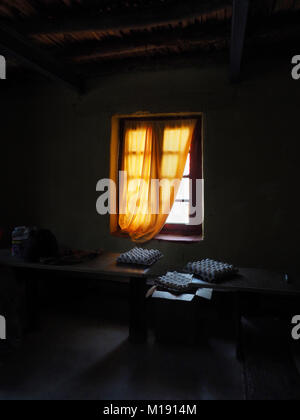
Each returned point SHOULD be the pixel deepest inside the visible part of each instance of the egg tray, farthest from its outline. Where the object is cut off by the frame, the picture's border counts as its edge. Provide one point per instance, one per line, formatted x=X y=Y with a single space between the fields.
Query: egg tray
x=176 y=282
x=140 y=256
x=211 y=271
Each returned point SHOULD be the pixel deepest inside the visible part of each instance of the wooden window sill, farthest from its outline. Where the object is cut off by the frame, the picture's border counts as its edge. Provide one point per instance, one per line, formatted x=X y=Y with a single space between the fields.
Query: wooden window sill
x=179 y=238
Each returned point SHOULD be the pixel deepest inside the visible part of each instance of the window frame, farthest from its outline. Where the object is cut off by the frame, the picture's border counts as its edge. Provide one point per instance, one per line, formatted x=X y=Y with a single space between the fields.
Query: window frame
x=172 y=232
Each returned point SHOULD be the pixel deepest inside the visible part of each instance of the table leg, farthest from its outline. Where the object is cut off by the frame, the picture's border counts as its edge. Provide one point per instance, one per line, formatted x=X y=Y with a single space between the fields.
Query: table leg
x=238 y=327
x=138 y=311
x=32 y=299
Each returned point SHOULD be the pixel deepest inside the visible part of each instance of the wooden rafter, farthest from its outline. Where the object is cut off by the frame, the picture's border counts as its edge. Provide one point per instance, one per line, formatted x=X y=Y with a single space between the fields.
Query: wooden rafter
x=188 y=9
x=239 y=23
x=171 y=45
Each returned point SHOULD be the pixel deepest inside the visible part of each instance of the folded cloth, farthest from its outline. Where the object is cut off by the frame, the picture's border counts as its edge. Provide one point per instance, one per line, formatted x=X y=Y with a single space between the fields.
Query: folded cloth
x=175 y=282
x=140 y=256
x=210 y=270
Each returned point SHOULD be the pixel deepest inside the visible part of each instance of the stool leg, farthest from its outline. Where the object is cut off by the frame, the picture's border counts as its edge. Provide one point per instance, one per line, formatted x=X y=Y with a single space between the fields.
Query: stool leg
x=138 y=311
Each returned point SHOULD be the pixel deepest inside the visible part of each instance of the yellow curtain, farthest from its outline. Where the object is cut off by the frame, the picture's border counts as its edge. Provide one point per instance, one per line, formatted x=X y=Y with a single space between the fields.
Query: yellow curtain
x=152 y=150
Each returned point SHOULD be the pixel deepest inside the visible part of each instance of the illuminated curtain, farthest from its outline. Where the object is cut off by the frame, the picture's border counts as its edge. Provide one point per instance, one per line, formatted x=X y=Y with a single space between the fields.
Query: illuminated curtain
x=152 y=150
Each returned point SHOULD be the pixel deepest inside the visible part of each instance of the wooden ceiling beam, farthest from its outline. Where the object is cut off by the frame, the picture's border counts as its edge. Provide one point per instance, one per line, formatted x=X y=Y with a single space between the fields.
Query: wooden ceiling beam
x=238 y=33
x=205 y=33
x=210 y=39
x=23 y=50
x=145 y=41
x=110 y=53
x=189 y=9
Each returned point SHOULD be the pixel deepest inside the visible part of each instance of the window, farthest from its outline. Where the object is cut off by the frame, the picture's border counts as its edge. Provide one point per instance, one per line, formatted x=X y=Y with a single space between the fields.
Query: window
x=157 y=147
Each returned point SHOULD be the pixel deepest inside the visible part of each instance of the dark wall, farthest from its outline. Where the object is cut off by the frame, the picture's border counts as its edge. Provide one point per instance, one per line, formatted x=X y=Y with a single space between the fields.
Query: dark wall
x=55 y=147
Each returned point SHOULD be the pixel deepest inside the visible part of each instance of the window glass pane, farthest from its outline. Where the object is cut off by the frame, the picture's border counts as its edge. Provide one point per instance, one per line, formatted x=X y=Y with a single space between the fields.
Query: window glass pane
x=184 y=190
x=174 y=145
x=187 y=166
x=136 y=140
x=169 y=165
x=175 y=139
x=134 y=152
x=134 y=165
x=179 y=214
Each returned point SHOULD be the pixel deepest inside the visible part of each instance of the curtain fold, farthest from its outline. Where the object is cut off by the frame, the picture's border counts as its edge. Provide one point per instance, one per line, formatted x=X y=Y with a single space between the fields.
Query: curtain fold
x=153 y=158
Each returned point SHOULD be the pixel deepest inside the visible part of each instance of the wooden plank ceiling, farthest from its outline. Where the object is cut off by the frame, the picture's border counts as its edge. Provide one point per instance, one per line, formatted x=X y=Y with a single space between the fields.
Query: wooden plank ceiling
x=88 y=37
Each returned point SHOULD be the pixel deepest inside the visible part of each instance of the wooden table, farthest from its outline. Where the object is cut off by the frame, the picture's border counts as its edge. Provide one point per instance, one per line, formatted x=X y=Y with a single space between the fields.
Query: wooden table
x=103 y=267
